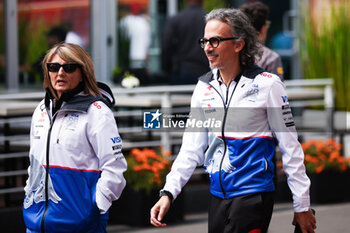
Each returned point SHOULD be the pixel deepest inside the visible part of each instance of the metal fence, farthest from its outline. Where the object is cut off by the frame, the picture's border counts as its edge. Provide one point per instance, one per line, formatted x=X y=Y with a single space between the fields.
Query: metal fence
x=16 y=110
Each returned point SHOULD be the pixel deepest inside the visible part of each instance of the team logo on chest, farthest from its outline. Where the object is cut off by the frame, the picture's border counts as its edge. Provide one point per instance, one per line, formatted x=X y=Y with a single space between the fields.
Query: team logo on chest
x=252 y=93
x=71 y=122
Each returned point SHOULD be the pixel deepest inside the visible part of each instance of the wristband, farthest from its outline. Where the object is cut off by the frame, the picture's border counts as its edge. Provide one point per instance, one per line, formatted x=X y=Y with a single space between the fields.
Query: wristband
x=166 y=193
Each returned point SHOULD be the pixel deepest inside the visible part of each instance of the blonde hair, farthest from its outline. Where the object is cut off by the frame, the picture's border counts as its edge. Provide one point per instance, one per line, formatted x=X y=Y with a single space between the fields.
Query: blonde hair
x=72 y=53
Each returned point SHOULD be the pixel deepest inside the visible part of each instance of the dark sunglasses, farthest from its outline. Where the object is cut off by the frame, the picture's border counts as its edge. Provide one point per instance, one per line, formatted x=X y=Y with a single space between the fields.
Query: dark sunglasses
x=214 y=41
x=67 y=67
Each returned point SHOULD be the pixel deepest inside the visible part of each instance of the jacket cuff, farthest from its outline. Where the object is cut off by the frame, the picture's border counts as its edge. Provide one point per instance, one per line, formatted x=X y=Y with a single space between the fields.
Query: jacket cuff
x=301 y=205
x=102 y=203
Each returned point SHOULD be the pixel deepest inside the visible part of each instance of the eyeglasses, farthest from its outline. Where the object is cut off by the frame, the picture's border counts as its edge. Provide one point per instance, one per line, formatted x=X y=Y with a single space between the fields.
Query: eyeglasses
x=214 y=41
x=67 y=67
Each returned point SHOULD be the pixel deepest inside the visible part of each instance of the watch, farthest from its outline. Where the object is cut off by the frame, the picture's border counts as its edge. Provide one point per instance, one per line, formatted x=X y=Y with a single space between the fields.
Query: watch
x=166 y=193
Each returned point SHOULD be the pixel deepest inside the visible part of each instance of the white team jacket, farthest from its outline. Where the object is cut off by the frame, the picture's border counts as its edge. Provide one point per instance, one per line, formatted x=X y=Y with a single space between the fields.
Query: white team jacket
x=253 y=110
x=76 y=160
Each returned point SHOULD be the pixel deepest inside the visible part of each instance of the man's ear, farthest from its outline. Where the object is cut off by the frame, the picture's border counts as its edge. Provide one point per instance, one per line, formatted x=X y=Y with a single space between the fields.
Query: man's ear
x=239 y=44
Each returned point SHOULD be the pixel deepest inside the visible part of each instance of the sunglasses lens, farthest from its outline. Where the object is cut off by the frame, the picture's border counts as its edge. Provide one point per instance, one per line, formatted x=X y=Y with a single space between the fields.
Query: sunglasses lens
x=53 y=67
x=70 y=67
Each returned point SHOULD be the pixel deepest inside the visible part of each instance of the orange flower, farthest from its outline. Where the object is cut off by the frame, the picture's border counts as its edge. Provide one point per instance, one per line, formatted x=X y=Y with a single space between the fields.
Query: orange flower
x=307 y=144
x=343 y=167
x=319 y=169
x=151 y=154
x=167 y=153
x=143 y=166
x=319 y=146
x=312 y=159
x=324 y=155
x=158 y=165
x=334 y=156
x=146 y=169
x=139 y=155
x=308 y=158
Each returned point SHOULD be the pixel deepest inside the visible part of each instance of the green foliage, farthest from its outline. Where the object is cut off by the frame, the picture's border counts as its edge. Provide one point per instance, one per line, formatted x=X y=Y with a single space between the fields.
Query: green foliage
x=214 y=4
x=123 y=48
x=326 y=54
x=37 y=40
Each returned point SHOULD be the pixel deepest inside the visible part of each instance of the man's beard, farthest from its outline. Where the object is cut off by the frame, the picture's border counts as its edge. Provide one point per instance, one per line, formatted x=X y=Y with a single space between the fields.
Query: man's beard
x=219 y=66
x=215 y=67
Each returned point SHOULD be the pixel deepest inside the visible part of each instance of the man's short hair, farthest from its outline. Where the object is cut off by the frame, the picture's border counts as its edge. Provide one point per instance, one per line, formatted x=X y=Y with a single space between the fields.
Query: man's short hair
x=258 y=13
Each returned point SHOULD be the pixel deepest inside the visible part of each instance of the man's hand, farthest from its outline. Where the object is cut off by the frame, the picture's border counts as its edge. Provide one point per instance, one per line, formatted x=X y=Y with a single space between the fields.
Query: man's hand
x=159 y=210
x=306 y=220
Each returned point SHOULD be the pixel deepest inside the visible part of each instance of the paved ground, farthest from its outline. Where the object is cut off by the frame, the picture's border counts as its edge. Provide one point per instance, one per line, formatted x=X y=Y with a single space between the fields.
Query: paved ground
x=332 y=218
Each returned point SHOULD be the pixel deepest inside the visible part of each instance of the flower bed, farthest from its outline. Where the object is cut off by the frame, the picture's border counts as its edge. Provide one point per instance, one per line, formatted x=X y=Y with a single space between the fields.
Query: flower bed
x=147 y=169
x=328 y=171
x=145 y=176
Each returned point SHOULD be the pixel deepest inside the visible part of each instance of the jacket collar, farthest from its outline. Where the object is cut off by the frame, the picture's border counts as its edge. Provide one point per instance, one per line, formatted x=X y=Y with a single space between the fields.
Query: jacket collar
x=249 y=72
x=77 y=102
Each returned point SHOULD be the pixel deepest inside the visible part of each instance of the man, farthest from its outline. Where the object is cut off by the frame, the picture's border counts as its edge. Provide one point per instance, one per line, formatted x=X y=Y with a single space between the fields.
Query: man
x=182 y=60
x=238 y=156
x=136 y=27
x=258 y=13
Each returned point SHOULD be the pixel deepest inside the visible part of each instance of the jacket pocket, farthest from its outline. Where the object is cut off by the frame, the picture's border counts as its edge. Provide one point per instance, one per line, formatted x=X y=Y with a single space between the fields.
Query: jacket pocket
x=77 y=210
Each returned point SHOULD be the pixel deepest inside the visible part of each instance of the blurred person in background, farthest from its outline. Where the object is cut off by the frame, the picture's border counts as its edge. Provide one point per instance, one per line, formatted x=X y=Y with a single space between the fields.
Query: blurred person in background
x=55 y=35
x=252 y=109
x=76 y=164
x=136 y=28
x=183 y=61
x=258 y=13
x=72 y=36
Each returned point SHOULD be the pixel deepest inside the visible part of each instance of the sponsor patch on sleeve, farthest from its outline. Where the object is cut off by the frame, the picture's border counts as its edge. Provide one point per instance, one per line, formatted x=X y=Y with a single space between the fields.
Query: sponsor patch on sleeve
x=287 y=115
x=117 y=147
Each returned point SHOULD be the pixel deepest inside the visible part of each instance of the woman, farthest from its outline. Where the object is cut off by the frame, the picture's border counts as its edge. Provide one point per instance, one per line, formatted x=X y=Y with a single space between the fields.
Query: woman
x=76 y=164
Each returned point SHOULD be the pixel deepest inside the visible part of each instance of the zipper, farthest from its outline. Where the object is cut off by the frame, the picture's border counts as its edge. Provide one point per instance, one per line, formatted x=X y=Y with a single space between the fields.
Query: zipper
x=226 y=106
x=52 y=120
x=47 y=172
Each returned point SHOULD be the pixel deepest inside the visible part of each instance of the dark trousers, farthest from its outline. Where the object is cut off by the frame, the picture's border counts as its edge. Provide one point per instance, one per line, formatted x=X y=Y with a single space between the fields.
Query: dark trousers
x=249 y=213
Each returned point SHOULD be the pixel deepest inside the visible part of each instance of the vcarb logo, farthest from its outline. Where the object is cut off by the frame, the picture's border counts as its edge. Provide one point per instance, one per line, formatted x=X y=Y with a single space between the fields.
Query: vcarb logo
x=285 y=99
x=116 y=140
x=151 y=120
